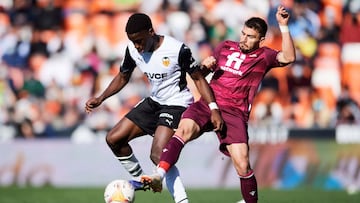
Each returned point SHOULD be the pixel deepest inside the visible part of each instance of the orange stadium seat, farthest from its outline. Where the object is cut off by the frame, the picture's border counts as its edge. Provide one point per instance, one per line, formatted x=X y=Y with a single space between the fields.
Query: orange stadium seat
x=350 y=79
x=332 y=11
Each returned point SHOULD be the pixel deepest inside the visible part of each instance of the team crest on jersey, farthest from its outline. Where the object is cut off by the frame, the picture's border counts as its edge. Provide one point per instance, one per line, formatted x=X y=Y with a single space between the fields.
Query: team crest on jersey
x=166 y=61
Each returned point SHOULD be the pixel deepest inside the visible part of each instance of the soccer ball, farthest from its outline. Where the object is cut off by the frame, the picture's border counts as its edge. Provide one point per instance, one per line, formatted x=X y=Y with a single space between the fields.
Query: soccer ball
x=119 y=191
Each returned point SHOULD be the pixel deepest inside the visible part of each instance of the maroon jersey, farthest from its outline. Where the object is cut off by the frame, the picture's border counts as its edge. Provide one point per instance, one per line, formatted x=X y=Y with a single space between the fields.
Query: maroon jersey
x=238 y=75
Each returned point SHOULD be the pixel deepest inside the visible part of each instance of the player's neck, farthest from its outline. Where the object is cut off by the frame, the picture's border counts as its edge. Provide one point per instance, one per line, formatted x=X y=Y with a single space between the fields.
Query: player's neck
x=158 y=39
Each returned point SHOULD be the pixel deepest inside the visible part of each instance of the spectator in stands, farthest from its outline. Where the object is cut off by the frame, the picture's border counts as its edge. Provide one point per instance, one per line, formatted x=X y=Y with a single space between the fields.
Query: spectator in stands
x=348 y=112
x=350 y=27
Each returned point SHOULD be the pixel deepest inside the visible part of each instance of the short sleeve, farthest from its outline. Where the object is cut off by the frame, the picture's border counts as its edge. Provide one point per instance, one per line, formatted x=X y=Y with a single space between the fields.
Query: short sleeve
x=271 y=57
x=128 y=64
x=187 y=61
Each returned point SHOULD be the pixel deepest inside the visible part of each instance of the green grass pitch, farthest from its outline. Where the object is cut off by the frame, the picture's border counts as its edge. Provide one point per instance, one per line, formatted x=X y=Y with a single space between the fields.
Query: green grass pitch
x=95 y=195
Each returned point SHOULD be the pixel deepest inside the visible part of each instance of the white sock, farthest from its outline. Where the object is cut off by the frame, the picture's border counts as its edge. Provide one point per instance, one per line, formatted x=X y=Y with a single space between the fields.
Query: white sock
x=131 y=164
x=161 y=172
x=175 y=185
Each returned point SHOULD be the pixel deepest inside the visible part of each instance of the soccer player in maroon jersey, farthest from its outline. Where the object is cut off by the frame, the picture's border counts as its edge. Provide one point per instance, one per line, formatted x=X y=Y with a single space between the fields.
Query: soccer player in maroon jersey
x=239 y=68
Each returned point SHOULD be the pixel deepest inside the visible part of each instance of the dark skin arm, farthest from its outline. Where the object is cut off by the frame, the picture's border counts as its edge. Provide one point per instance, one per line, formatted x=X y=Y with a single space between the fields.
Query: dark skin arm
x=119 y=81
x=205 y=71
x=207 y=94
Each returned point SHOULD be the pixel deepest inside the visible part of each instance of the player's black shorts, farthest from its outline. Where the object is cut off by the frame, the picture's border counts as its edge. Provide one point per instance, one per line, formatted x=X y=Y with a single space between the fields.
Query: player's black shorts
x=148 y=114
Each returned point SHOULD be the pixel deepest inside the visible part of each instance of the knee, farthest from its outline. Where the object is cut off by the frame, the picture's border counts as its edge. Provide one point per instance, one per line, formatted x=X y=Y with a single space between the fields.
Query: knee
x=155 y=157
x=242 y=168
x=187 y=130
x=156 y=150
x=109 y=139
x=112 y=139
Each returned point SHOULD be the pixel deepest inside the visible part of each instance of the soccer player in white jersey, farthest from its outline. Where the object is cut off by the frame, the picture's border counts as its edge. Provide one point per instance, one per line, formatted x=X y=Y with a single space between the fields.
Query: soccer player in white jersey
x=165 y=61
x=239 y=68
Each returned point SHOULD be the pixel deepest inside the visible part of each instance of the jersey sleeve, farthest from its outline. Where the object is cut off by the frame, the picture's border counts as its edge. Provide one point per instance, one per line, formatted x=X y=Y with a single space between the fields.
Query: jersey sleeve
x=187 y=61
x=271 y=56
x=128 y=64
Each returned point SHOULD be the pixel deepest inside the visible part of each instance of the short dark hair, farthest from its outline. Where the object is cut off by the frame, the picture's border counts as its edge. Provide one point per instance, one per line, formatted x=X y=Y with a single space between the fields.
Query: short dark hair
x=138 y=22
x=257 y=24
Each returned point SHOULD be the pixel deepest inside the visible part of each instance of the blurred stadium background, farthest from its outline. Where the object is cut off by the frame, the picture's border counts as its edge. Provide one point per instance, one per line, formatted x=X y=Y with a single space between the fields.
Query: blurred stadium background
x=55 y=54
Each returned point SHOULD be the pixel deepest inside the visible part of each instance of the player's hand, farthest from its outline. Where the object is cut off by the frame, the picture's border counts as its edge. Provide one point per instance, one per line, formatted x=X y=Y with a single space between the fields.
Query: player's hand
x=282 y=16
x=91 y=104
x=217 y=120
x=209 y=62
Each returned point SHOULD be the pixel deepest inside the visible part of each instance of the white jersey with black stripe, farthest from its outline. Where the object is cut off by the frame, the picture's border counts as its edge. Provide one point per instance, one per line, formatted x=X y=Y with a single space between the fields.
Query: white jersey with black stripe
x=162 y=68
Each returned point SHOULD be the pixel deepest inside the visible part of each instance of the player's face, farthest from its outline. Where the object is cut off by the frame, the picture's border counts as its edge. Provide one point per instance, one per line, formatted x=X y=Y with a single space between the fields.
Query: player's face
x=143 y=40
x=249 y=40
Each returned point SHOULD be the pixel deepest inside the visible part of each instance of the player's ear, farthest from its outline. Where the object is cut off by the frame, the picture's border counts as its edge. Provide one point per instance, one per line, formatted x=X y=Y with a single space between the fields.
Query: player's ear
x=151 y=31
x=262 y=39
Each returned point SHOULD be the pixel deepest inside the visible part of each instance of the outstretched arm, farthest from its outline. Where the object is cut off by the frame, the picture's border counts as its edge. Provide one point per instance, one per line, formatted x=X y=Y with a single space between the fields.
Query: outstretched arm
x=120 y=80
x=287 y=55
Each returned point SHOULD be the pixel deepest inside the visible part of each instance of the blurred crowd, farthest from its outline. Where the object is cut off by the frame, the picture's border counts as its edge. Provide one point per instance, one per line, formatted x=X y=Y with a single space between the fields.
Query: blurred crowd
x=55 y=54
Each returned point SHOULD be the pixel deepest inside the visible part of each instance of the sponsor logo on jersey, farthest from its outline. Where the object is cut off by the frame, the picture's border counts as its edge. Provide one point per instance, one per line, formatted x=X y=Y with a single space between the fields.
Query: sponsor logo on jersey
x=233 y=63
x=155 y=75
x=166 y=61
